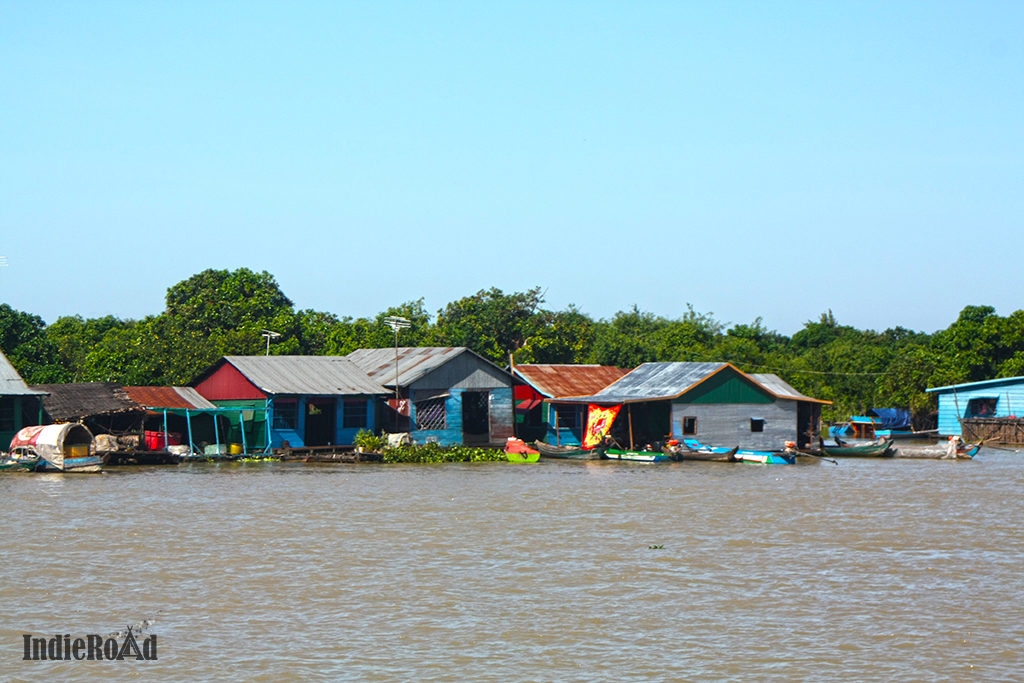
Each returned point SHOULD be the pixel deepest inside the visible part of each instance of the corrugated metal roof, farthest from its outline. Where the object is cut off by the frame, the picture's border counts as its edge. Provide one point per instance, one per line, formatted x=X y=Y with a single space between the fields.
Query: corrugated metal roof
x=11 y=383
x=309 y=375
x=665 y=381
x=982 y=384
x=557 y=380
x=781 y=389
x=70 y=402
x=414 y=363
x=169 y=397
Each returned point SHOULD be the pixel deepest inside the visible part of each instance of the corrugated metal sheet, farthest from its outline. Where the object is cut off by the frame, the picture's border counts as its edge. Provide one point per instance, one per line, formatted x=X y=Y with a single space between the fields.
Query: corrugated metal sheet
x=657 y=381
x=11 y=383
x=781 y=389
x=306 y=375
x=568 y=380
x=169 y=397
x=414 y=363
x=666 y=381
x=70 y=402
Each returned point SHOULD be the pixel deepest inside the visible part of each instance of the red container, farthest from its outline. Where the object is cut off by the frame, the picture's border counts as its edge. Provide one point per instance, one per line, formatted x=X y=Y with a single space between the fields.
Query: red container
x=155 y=440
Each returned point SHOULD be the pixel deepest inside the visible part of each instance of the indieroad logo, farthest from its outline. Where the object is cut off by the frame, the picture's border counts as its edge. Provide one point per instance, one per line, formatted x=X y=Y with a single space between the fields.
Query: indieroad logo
x=129 y=644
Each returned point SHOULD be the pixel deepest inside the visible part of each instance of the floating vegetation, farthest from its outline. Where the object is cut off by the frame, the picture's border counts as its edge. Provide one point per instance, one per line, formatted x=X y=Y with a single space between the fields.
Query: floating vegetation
x=433 y=453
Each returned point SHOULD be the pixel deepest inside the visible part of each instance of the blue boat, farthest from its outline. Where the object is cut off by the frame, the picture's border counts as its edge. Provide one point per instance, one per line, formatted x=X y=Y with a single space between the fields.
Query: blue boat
x=766 y=457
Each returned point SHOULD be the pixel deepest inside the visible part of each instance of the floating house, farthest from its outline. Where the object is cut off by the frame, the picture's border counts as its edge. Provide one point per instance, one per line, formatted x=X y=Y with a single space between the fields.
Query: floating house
x=716 y=403
x=986 y=410
x=292 y=401
x=20 y=405
x=446 y=395
x=103 y=407
x=180 y=416
x=560 y=424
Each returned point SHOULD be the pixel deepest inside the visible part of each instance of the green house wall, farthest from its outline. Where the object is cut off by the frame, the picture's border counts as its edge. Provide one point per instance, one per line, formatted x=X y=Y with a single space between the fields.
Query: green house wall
x=725 y=387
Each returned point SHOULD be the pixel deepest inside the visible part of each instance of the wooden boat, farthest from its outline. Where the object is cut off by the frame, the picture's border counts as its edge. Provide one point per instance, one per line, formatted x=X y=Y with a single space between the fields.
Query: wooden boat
x=967 y=451
x=766 y=457
x=60 y=447
x=637 y=456
x=691 y=449
x=963 y=451
x=875 y=449
x=566 y=452
x=19 y=460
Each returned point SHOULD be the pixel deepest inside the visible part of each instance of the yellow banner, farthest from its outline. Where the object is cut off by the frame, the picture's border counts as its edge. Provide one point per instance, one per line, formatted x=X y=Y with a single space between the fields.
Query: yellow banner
x=599 y=423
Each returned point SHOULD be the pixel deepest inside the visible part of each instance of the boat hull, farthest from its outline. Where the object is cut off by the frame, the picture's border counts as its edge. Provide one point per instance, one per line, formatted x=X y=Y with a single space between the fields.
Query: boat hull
x=766 y=457
x=636 y=456
x=566 y=452
x=882 y=449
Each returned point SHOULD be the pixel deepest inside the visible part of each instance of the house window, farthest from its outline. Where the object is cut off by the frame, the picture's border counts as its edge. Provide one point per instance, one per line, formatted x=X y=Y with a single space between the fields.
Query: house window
x=689 y=426
x=431 y=413
x=568 y=417
x=286 y=414
x=757 y=424
x=981 y=407
x=355 y=414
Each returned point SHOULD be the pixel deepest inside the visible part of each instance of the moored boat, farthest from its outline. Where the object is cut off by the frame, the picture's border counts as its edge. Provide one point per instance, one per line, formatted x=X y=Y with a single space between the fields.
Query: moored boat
x=567 y=452
x=19 y=460
x=875 y=449
x=60 y=447
x=691 y=449
x=766 y=457
x=516 y=450
x=637 y=456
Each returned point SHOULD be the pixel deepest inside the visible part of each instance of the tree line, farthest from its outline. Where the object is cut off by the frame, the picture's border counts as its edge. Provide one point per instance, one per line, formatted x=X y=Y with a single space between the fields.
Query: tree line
x=225 y=312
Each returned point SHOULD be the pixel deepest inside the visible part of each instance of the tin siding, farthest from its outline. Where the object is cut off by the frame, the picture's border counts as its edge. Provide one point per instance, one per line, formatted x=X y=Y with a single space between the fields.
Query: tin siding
x=953 y=406
x=729 y=425
x=451 y=435
x=501 y=415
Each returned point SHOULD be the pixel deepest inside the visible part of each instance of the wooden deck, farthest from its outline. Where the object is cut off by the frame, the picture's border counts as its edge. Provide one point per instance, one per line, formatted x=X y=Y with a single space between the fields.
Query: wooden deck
x=340 y=454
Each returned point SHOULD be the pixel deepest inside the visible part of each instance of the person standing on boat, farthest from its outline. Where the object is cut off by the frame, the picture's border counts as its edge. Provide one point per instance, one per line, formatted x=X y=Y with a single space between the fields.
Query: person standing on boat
x=951 y=447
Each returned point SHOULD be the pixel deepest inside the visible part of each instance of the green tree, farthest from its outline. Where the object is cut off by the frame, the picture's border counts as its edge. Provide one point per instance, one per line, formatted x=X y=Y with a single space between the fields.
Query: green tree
x=629 y=339
x=23 y=340
x=491 y=323
x=560 y=337
x=227 y=300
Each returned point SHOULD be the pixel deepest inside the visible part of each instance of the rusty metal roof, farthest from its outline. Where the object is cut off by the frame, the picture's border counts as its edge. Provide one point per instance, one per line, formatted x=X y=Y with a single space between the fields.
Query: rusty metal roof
x=11 y=383
x=169 y=397
x=306 y=375
x=414 y=363
x=666 y=381
x=559 y=380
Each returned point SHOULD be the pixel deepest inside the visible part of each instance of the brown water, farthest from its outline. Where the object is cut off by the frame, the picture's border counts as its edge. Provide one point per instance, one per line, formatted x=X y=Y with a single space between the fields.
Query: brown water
x=869 y=570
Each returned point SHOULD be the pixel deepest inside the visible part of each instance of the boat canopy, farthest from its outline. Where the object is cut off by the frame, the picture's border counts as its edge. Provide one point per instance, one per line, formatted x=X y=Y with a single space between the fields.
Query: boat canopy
x=51 y=441
x=891 y=418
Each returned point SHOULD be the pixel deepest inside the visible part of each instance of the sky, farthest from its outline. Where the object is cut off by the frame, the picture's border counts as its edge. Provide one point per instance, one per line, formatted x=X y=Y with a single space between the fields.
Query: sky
x=751 y=160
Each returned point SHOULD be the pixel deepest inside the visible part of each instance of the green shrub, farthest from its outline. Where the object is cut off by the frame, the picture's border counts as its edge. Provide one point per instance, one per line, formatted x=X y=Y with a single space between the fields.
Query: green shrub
x=370 y=442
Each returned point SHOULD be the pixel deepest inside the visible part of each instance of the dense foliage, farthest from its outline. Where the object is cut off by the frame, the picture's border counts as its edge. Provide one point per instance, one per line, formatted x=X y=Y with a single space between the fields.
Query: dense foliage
x=221 y=312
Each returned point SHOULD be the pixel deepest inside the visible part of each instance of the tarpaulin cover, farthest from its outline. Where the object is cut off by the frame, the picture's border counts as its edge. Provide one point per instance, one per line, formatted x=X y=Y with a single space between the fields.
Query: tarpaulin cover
x=891 y=418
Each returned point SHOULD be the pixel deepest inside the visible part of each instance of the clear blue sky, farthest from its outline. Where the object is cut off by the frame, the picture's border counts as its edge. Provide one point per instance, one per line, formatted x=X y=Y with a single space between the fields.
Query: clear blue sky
x=753 y=159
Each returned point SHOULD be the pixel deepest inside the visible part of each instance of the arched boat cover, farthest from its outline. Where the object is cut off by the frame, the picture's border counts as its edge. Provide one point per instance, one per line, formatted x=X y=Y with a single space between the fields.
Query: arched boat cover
x=52 y=442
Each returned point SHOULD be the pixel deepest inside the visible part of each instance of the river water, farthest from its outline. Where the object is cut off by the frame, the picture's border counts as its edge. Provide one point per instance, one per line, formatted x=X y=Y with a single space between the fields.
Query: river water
x=870 y=569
